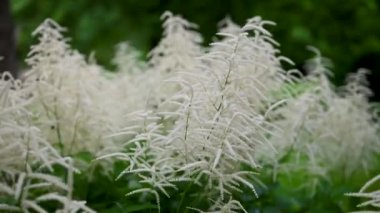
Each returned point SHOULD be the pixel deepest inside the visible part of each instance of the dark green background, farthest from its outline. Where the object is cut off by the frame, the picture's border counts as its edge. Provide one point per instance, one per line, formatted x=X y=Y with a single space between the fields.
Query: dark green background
x=346 y=31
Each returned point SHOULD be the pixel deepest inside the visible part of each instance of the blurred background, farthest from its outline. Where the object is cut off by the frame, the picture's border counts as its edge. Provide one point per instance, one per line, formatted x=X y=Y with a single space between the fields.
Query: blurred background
x=346 y=31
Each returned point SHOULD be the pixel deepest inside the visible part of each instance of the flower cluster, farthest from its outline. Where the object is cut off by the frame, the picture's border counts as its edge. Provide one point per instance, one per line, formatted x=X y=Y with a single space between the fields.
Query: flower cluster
x=210 y=117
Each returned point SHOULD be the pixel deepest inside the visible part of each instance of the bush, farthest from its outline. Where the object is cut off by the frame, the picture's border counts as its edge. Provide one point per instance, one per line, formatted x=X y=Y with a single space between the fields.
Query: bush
x=223 y=128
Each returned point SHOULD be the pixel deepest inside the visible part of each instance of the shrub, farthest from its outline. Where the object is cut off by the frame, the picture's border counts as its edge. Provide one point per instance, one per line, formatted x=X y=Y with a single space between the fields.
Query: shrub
x=214 y=124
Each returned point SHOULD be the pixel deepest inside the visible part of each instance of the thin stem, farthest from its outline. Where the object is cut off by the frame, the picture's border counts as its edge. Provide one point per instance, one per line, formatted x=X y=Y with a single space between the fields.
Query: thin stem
x=70 y=182
x=219 y=108
x=58 y=127
x=187 y=124
x=19 y=199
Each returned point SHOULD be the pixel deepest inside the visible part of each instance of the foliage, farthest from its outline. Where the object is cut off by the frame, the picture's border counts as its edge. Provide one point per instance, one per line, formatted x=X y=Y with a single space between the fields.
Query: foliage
x=223 y=128
x=345 y=31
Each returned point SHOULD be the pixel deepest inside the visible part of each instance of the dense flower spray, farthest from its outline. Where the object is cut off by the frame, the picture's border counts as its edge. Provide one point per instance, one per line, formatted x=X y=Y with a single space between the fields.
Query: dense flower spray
x=209 y=117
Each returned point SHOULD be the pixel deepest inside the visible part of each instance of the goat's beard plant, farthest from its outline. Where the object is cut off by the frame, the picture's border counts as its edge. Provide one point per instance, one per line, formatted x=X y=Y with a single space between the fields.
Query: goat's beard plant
x=211 y=118
x=327 y=130
x=28 y=160
x=66 y=91
x=216 y=117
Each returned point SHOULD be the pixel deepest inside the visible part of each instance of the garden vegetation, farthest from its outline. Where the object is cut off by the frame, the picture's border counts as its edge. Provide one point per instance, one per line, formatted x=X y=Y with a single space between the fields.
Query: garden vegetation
x=222 y=128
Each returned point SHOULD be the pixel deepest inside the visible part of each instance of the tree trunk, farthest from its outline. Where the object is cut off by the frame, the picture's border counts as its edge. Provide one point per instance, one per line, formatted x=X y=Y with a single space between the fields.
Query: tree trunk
x=7 y=40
